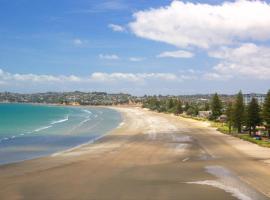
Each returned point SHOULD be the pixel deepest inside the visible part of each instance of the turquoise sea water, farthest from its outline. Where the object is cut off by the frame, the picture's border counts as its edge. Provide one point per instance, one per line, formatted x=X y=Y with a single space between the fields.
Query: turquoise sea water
x=28 y=131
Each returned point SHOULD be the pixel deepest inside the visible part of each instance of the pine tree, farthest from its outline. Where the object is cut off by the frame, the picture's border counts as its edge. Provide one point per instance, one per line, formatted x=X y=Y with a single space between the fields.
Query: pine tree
x=239 y=112
x=216 y=107
x=253 y=115
x=229 y=113
x=206 y=106
x=187 y=106
x=179 y=108
x=266 y=112
x=170 y=104
x=193 y=109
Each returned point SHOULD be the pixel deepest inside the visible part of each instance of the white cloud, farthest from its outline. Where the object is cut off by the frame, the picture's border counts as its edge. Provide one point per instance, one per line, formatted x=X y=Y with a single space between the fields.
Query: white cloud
x=116 y=28
x=103 y=6
x=136 y=59
x=77 y=41
x=11 y=79
x=245 y=61
x=132 y=77
x=213 y=76
x=112 y=5
x=135 y=83
x=109 y=57
x=176 y=54
x=186 y=24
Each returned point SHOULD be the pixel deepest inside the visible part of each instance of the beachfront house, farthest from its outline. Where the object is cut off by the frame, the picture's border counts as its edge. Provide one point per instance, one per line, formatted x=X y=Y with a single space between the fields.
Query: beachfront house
x=205 y=114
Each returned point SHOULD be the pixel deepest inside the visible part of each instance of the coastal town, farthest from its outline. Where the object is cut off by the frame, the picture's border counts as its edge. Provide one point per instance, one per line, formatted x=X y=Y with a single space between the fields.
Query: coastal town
x=103 y=98
x=249 y=123
x=68 y=98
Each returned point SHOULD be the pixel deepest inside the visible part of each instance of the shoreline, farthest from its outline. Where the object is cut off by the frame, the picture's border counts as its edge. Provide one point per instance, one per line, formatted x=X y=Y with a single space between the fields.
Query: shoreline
x=241 y=144
x=147 y=153
x=91 y=141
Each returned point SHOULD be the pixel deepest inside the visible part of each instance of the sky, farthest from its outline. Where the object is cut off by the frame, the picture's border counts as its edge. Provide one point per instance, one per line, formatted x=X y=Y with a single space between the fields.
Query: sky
x=137 y=47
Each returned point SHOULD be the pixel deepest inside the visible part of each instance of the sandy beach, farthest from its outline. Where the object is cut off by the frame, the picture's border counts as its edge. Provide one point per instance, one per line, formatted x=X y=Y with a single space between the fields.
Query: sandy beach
x=150 y=156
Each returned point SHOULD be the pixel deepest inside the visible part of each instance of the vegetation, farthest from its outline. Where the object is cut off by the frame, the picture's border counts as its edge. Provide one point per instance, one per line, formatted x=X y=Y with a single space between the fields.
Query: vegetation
x=169 y=105
x=253 y=116
x=266 y=113
x=239 y=112
x=263 y=143
x=241 y=120
x=206 y=106
x=216 y=107
x=69 y=98
x=192 y=109
x=179 y=108
x=229 y=113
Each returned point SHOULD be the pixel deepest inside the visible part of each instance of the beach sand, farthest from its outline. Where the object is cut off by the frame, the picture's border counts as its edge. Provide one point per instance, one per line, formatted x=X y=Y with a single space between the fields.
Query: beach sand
x=150 y=156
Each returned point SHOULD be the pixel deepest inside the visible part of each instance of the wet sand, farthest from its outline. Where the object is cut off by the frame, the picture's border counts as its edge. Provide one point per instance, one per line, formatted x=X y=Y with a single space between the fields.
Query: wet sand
x=150 y=156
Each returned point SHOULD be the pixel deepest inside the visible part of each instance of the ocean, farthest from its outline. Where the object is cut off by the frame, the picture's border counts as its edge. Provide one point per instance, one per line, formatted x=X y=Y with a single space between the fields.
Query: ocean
x=30 y=131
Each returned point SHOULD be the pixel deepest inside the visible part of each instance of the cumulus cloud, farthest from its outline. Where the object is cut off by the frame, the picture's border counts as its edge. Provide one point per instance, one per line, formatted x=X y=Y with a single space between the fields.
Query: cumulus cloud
x=112 y=5
x=134 y=83
x=132 y=77
x=176 y=54
x=214 y=76
x=247 y=60
x=109 y=57
x=117 y=28
x=9 y=78
x=77 y=42
x=103 y=6
x=136 y=59
x=185 y=24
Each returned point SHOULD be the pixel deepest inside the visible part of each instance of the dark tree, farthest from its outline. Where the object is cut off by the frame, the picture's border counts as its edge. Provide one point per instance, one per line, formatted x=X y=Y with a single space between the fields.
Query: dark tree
x=216 y=107
x=253 y=115
x=187 y=106
x=229 y=113
x=178 y=109
x=266 y=112
x=206 y=106
x=170 y=104
x=152 y=103
x=193 y=109
x=239 y=112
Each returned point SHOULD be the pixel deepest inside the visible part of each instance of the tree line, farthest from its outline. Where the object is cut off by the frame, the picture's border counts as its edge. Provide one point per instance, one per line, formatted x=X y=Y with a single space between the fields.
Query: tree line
x=240 y=115
x=169 y=105
x=237 y=113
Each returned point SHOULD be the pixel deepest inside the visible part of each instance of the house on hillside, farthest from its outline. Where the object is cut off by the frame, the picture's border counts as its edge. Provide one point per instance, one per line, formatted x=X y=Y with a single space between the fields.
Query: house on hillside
x=205 y=114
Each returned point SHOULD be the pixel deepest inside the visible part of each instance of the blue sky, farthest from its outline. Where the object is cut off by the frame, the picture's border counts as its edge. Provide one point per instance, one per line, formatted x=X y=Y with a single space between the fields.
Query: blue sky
x=152 y=47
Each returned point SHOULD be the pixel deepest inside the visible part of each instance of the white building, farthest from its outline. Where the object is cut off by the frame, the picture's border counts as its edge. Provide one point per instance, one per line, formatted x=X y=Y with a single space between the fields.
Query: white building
x=205 y=114
x=248 y=97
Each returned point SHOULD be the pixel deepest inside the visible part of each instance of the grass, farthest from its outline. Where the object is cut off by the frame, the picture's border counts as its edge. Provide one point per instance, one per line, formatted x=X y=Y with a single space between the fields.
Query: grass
x=244 y=136
x=263 y=143
x=223 y=128
x=193 y=117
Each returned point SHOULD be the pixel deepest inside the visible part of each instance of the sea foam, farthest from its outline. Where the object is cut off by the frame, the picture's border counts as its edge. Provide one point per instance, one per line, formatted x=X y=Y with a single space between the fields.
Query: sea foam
x=60 y=121
x=87 y=111
x=42 y=128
